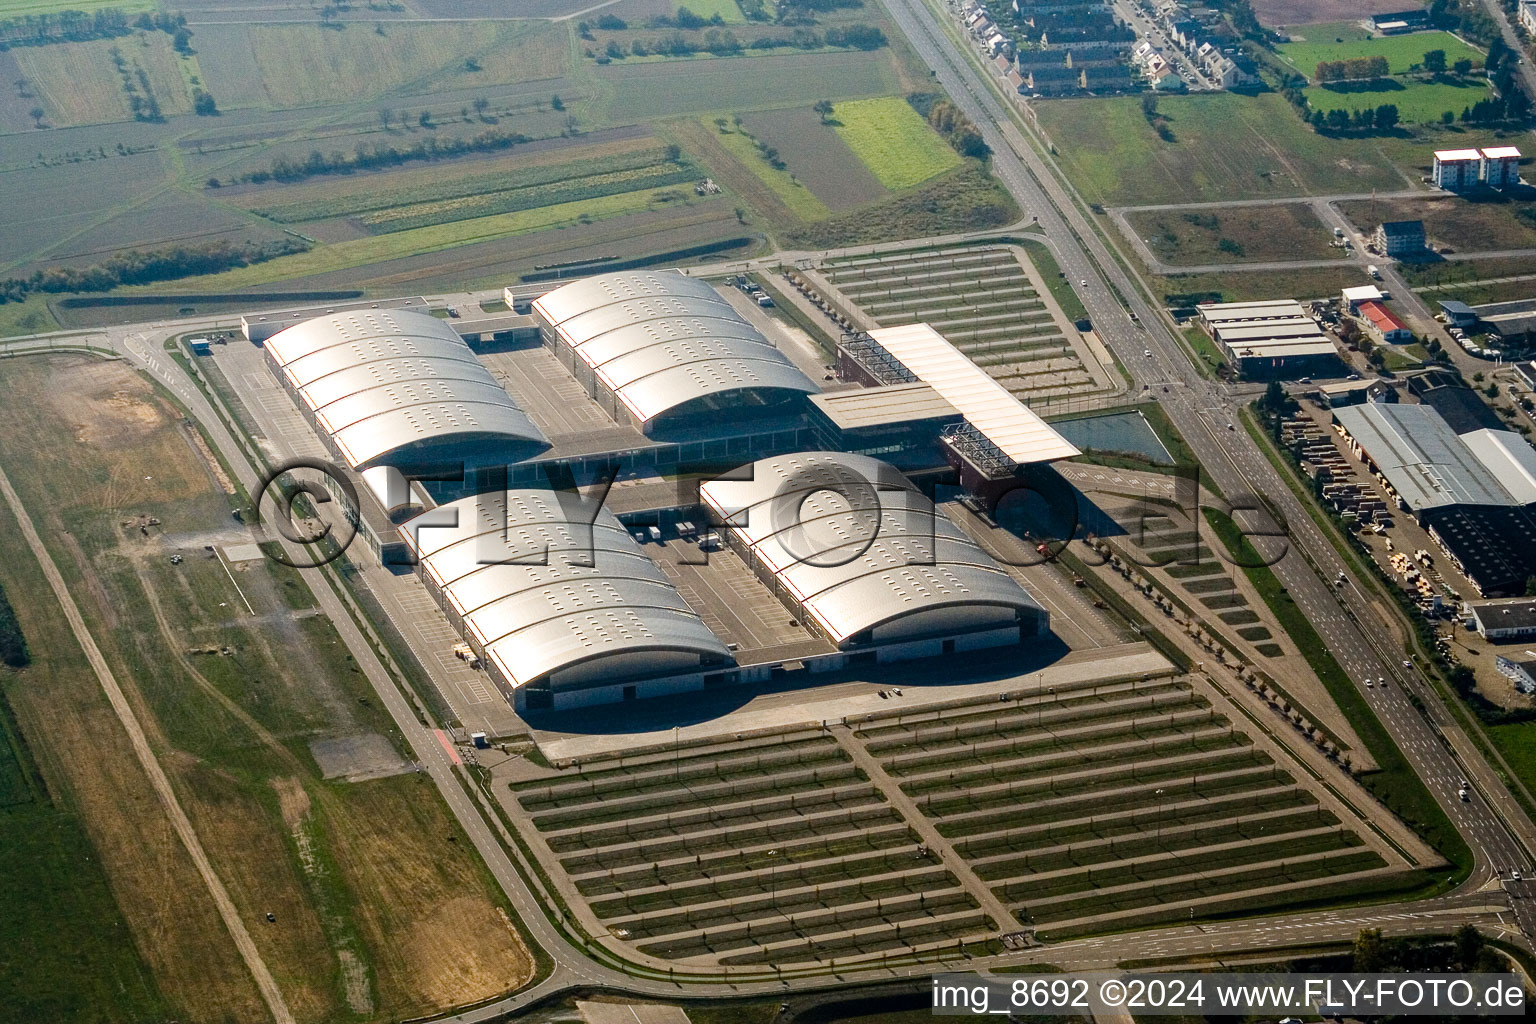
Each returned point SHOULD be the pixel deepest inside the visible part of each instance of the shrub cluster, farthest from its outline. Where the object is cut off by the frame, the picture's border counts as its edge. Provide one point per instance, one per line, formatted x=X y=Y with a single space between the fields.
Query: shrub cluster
x=144 y=266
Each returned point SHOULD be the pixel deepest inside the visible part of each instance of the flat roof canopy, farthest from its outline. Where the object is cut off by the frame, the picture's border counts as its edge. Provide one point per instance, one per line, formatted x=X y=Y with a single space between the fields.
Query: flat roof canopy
x=889 y=405
x=1009 y=424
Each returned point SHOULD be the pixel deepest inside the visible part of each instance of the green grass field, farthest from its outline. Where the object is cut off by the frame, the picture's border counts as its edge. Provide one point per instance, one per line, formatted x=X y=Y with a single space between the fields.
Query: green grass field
x=1517 y=743
x=29 y=317
x=727 y=9
x=1417 y=102
x=1402 y=52
x=801 y=201
x=1226 y=146
x=893 y=141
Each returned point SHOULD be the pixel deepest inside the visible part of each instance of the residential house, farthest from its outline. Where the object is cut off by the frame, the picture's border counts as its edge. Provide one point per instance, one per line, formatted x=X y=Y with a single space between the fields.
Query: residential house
x=1231 y=70
x=1080 y=40
x=1401 y=239
x=1055 y=81
x=1109 y=78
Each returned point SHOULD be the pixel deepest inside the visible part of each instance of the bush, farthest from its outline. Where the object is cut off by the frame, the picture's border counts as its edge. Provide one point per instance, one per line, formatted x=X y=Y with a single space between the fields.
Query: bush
x=13 y=645
x=967 y=199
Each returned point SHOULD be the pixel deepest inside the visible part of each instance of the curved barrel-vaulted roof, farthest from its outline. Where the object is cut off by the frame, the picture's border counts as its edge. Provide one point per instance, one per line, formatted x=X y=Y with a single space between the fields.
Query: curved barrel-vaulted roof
x=858 y=546
x=541 y=585
x=662 y=339
x=391 y=386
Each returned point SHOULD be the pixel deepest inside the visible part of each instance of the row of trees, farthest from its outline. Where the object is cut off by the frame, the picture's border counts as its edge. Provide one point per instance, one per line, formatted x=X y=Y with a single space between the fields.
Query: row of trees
x=1353 y=68
x=146 y=266
x=372 y=156
x=1467 y=18
x=1378 y=119
x=76 y=26
x=724 y=42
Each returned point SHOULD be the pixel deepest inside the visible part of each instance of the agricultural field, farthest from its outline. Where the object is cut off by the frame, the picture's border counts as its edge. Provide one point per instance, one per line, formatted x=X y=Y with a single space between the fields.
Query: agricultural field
x=424 y=240
x=369 y=899
x=817 y=156
x=787 y=187
x=78 y=83
x=65 y=204
x=342 y=195
x=1464 y=224
x=1239 y=234
x=22 y=8
x=1320 y=43
x=893 y=141
x=637 y=92
x=1417 y=102
x=1226 y=146
x=1252 y=285
x=286 y=66
x=479 y=195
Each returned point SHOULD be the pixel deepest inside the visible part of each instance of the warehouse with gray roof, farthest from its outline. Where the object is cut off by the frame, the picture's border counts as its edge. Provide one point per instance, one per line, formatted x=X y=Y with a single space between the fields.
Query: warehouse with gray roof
x=1269 y=338
x=1474 y=492
x=1426 y=463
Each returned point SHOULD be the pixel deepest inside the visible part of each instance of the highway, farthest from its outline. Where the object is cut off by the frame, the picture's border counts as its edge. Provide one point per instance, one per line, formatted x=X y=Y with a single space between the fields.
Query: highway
x=1497 y=829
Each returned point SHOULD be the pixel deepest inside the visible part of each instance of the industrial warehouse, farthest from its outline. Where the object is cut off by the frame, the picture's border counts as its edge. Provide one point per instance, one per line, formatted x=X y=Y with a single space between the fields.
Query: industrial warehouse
x=569 y=600
x=1475 y=492
x=1270 y=338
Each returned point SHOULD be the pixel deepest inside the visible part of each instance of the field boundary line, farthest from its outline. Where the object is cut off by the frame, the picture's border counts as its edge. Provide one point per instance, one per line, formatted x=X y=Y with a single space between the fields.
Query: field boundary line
x=157 y=777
